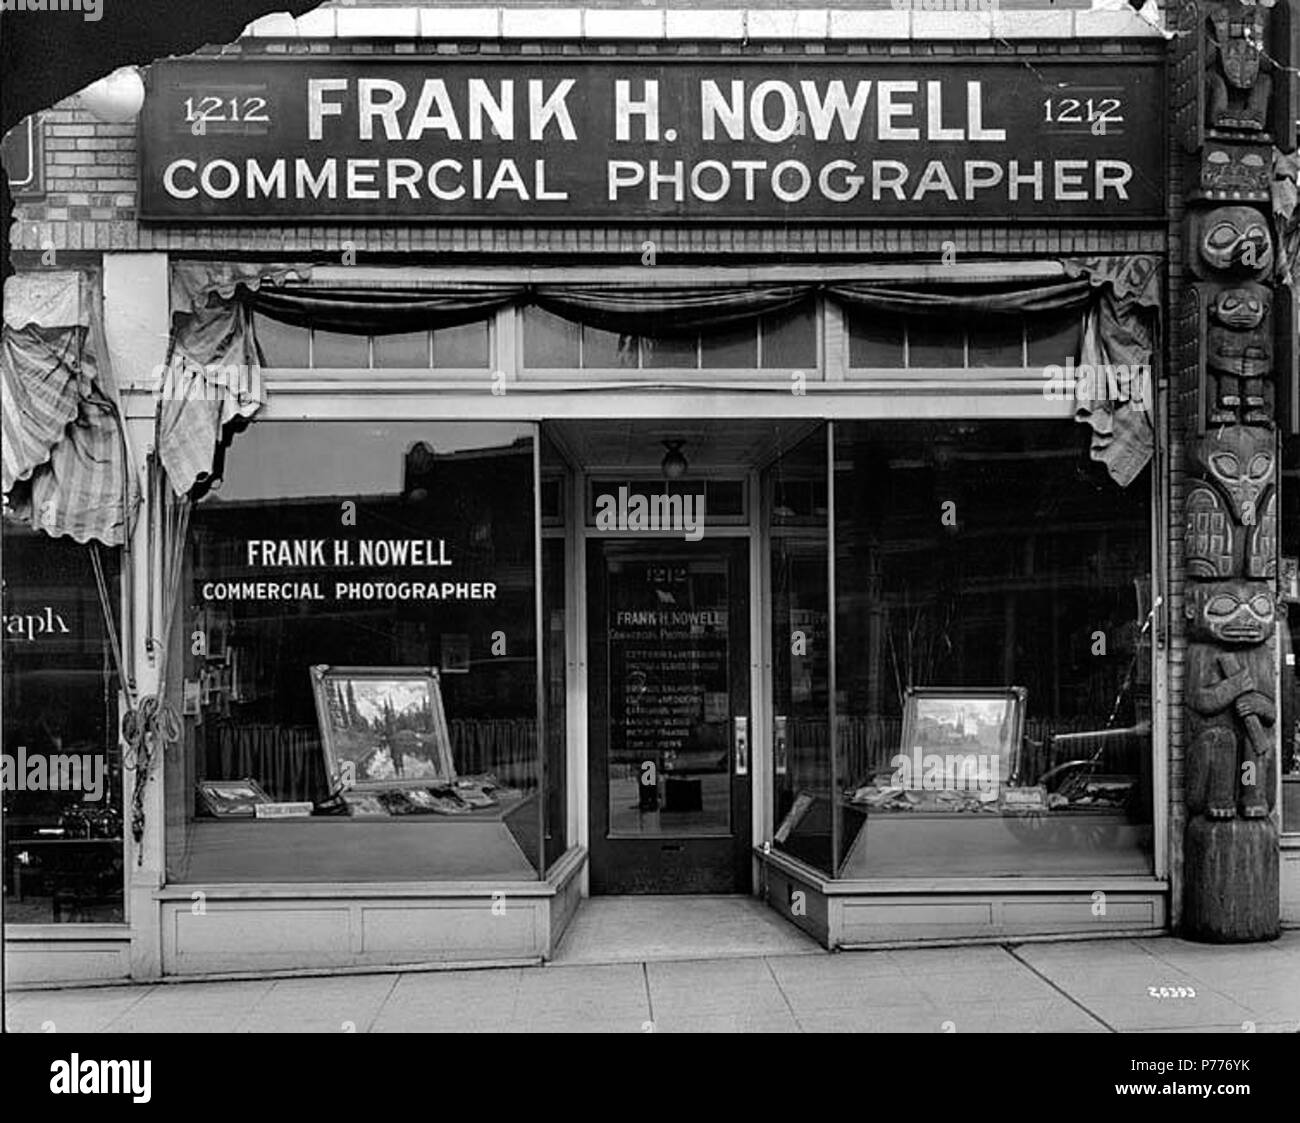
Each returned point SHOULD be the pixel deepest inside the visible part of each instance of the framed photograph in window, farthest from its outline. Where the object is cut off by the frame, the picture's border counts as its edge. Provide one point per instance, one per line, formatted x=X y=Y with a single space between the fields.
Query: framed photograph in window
x=382 y=727
x=960 y=739
x=232 y=799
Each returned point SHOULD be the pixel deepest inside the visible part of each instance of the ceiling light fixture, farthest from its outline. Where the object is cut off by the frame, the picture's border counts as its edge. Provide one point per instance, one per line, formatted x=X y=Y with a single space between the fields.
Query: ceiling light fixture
x=674 y=463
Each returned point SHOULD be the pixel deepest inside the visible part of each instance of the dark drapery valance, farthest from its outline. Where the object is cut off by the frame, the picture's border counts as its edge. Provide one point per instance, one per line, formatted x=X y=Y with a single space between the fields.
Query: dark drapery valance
x=667 y=310
x=382 y=311
x=1011 y=298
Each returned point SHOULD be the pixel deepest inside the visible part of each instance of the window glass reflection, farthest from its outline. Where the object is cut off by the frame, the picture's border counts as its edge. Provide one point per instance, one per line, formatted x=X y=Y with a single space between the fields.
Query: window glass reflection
x=393 y=549
x=63 y=857
x=990 y=557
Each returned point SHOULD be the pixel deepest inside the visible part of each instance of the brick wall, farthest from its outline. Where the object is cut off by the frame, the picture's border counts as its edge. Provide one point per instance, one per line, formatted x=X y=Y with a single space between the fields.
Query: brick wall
x=90 y=186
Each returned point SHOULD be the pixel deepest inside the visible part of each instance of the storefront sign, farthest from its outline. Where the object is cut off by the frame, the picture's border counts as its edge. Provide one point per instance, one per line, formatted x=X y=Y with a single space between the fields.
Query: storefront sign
x=562 y=138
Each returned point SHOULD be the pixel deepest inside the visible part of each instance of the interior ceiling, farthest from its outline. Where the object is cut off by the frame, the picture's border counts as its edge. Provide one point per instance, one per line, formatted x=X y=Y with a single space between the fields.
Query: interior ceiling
x=712 y=444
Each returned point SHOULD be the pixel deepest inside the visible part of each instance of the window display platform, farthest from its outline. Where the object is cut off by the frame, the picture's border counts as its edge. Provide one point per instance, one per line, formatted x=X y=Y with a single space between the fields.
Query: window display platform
x=862 y=913
x=352 y=849
x=298 y=925
x=957 y=844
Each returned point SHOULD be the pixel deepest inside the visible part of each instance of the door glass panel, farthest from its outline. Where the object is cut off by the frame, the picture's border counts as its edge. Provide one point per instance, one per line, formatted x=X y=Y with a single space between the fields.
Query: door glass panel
x=670 y=696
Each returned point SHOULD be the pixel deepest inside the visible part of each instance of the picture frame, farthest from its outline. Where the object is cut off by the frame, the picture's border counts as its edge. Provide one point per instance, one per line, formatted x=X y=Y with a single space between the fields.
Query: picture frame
x=382 y=727
x=961 y=738
x=232 y=799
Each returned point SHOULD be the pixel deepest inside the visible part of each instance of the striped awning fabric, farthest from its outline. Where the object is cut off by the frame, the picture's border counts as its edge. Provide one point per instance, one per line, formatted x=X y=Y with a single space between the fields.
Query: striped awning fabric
x=64 y=453
x=212 y=383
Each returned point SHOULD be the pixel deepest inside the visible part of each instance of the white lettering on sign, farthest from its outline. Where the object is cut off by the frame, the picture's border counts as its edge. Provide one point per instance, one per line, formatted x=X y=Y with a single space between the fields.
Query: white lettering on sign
x=469 y=137
x=325 y=552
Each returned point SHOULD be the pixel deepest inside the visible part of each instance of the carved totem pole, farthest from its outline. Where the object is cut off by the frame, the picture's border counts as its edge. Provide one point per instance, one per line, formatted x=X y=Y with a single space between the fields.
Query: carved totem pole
x=1232 y=94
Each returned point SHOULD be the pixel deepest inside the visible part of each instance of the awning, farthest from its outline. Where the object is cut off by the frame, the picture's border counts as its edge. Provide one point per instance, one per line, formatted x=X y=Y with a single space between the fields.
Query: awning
x=210 y=389
x=65 y=463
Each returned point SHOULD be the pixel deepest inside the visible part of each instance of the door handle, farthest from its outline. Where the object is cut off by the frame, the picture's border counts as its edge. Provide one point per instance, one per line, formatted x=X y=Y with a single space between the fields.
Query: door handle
x=780 y=744
x=741 y=744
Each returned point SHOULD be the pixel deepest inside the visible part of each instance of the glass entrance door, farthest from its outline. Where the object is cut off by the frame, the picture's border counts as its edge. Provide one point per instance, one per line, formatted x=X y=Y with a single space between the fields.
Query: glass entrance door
x=670 y=721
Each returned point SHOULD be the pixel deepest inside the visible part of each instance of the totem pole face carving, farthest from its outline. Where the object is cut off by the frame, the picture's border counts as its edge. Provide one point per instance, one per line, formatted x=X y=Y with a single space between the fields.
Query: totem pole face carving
x=1239 y=89
x=1239 y=29
x=1236 y=171
x=1238 y=340
x=1231 y=613
x=1242 y=308
x=1240 y=459
x=1234 y=241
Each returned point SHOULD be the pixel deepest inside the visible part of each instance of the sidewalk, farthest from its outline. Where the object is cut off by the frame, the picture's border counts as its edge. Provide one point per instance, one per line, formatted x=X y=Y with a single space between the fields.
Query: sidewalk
x=1086 y=986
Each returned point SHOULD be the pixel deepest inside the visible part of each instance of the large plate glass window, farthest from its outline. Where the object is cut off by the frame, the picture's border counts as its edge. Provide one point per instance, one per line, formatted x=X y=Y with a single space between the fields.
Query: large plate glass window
x=993 y=644
x=63 y=769
x=379 y=577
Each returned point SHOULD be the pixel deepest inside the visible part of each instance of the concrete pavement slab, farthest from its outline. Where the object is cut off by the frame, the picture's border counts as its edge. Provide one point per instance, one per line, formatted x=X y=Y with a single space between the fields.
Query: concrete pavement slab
x=636 y=930
x=1084 y=986
x=1050 y=1016
x=344 y=1004
x=191 y=1008
x=88 y=1010
x=895 y=1019
x=873 y=992
x=713 y=988
x=1125 y=1012
x=616 y=993
x=751 y=1020
x=450 y=1002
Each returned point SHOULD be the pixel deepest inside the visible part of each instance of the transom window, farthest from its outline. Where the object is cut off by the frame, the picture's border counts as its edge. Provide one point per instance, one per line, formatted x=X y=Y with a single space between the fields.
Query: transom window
x=780 y=341
x=999 y=341
x=466 y=347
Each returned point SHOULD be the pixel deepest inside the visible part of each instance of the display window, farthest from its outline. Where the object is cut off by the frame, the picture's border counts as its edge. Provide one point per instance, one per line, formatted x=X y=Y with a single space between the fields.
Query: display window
x=62 y=767
x=993 y=653
x=361 y=693
x=968 y=604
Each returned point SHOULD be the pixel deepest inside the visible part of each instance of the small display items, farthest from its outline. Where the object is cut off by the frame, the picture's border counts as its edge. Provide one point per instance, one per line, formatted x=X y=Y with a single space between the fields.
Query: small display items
x=231 y=799
x=960 y=752
x=383 y=727
x=462 y=797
